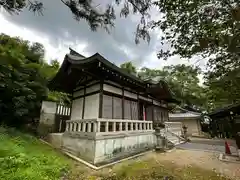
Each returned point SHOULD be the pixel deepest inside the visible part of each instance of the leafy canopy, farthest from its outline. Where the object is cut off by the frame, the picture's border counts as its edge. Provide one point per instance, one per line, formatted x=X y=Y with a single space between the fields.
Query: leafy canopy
x=129 y=68
x=23 y=79
x=91 y=11
x=183 y=81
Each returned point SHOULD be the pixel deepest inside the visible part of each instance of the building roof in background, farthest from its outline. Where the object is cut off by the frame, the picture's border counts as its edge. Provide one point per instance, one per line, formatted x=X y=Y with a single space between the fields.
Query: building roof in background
x=180 y=113
x=225 y=111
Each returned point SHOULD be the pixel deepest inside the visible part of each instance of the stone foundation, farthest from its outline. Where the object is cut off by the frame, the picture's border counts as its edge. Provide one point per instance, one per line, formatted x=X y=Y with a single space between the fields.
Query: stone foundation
x=103 y=150
x=101 y=141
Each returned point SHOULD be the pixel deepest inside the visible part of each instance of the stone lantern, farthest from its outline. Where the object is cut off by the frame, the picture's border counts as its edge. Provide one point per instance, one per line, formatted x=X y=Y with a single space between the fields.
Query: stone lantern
x=185 y=132
x=161 y=140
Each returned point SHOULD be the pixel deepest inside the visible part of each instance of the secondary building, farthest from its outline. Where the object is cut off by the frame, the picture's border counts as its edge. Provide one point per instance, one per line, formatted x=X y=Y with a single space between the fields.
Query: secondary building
x=192 y=120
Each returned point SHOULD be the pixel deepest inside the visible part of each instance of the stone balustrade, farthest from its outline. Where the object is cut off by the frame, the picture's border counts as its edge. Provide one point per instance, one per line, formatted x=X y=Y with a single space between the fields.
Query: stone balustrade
x=108 y=126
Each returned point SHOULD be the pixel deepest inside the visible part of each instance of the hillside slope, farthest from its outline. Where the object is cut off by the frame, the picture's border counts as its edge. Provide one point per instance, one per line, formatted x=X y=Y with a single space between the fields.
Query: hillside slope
x=24 y=157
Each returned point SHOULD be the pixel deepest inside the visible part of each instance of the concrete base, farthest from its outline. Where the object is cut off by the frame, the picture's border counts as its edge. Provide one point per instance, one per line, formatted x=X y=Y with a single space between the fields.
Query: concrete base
x=108 y=149
x=229 y=158
x=55 y=139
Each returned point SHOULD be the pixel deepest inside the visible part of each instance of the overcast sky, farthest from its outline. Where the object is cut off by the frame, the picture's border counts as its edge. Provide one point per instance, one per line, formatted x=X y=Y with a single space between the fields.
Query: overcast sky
x=58 y=31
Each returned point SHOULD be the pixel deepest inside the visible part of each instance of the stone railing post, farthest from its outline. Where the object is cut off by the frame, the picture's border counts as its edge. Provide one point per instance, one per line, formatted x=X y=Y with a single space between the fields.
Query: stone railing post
x=71 y=127
x=67 y=127
x=114 y=126
x=120 y=126
x=126 y=126
x=131 y=126
x=84 y=127
x=79 y=126
x=106 y=126
x=98 y=126
x=94 y=126
x=89 y=126
x=75 y=127
x=150 y=126
x=140 y=126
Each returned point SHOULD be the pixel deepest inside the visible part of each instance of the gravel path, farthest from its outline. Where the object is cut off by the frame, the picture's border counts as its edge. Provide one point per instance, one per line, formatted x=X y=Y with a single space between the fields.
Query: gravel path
x=206 y=147
x=205 y=160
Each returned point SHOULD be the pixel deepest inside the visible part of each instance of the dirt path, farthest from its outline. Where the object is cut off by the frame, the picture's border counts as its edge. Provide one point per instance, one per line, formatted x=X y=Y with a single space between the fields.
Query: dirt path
x=206 y=160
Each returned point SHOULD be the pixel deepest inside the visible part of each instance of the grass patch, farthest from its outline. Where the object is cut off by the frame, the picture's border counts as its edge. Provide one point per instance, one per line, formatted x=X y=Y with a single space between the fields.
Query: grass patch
x=24 y=157
x=152 y=170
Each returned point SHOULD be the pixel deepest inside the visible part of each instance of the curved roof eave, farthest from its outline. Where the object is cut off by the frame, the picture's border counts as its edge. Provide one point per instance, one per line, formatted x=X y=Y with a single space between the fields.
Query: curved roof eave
x=77 y=60
x=97 y=57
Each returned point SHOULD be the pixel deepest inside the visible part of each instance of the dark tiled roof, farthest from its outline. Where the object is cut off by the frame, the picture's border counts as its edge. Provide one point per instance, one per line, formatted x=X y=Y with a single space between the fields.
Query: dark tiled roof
x=78 y=60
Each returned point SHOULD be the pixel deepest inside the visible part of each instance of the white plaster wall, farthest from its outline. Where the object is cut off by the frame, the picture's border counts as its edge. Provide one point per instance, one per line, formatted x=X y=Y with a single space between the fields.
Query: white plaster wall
x=93 y=88
x=77 y=106
x=47 y=117
x=112 y=89
x=78 y=93
x=118 y=147
x=49 y=107
x=156 y=103
x=79 y=87
x=48 y=110
x=129 y=94
x=92 y=82
x=116 y=84
x=144 y=98
x=91 y=108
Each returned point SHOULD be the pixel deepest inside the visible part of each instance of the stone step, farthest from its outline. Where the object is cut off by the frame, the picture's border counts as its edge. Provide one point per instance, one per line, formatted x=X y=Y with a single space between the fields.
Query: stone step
x=172 y=138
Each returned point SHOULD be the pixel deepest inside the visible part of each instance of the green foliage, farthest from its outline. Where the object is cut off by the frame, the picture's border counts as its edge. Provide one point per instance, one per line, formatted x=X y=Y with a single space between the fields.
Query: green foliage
x=210 y=30
x=58 y=97
x=183 y=81
x=25 y=157
x=200 y=26
x=153 y=170
x=94 y=14
x=223 y=90
x=22 y=84
x=129 y=68
x=23 y=80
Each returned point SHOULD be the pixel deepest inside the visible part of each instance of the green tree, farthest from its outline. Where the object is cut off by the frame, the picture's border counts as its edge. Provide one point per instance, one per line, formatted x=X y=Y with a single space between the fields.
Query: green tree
x=22 y=85
x=129 y=68
x=91 y=11
x=211 y=30
x=147 y=73
x=224 y=90
x=183 y=81
x=200 y=26
x=23 y=80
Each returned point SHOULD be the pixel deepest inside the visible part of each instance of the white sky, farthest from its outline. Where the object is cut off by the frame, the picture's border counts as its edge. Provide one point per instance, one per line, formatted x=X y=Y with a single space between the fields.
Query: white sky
x=58 y=52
